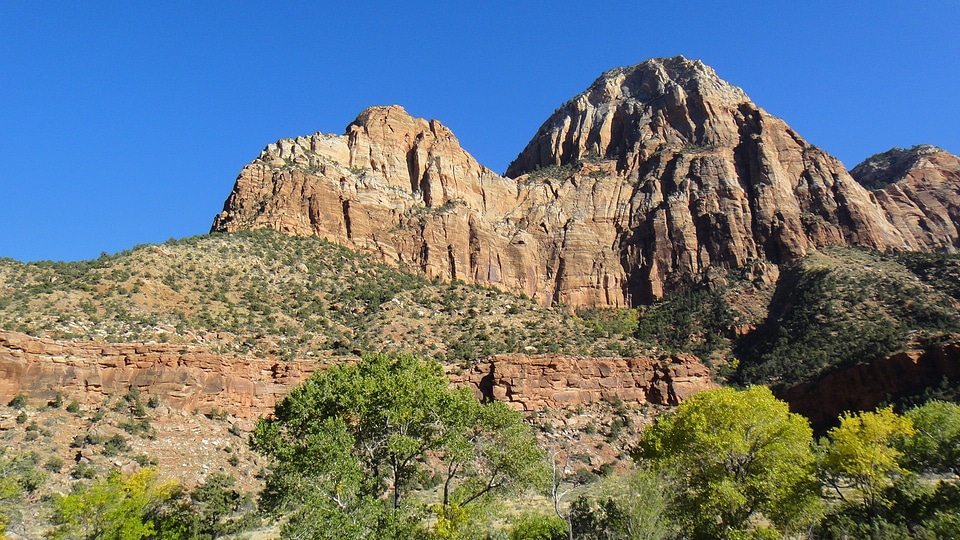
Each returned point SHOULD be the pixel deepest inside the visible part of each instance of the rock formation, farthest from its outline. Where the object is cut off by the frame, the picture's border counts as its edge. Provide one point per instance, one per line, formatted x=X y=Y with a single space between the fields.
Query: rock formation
x=531 y=383
x=187 y=379
x=864 y=387
x=638 y=186
x=919 y=191
x=192 y=379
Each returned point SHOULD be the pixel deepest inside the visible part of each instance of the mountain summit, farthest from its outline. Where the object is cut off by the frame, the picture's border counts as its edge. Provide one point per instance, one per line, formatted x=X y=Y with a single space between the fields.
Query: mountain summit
x=663 y=101
x=653 y=177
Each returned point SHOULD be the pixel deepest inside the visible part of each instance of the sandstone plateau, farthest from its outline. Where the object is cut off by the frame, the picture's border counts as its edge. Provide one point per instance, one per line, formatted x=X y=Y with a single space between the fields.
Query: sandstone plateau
x=654 y=176
x=192 y=379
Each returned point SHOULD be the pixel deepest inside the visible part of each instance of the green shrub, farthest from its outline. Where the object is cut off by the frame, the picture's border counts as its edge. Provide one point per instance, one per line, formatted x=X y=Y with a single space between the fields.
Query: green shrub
x=83 y=470
x=54 y=464
x=114 y=445
x=538 y=527
x=56 y=402
x=19 y=401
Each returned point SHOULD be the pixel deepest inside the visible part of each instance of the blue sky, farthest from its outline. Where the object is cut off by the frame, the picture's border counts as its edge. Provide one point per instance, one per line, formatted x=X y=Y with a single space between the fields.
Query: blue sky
x=125 y=123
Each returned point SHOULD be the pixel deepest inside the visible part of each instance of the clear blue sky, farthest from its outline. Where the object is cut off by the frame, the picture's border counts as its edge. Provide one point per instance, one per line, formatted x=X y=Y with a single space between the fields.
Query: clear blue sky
x=127 y=122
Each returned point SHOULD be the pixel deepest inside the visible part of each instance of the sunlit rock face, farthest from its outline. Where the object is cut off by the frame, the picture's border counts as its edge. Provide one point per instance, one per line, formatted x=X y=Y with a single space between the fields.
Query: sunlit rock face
x=646 y=182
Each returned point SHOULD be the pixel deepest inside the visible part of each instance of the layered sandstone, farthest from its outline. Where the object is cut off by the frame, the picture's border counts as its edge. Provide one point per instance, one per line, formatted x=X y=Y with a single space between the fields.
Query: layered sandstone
x=531 y=383
x=919 y=191
x=192 y=379
x=640 y=185
x=186 y=379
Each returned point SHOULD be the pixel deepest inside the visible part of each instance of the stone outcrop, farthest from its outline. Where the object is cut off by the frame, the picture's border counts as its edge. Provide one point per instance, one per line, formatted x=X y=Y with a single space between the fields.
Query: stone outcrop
x=919 y=191
x=531 y=383
x=654 y=175
x=196 y=380
x=863 y=387
x=191 y=380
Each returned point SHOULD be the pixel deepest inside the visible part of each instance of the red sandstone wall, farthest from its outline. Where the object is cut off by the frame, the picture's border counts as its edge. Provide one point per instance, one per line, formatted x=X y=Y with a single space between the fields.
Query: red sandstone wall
x=196 y=380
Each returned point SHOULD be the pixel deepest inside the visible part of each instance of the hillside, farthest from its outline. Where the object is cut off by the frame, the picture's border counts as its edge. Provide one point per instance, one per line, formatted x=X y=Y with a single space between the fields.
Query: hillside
x=841 y=307
x=265 y=293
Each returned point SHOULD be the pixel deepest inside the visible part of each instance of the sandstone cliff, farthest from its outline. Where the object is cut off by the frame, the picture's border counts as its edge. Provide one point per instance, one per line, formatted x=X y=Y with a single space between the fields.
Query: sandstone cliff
x=919 y=191
x=195 y=380
x=555 y=381
x=641 y=184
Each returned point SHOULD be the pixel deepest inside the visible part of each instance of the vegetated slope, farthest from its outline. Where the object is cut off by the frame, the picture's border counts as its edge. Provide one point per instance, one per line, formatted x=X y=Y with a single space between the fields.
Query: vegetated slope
x=832 y=309
x=65 y=445
x=840 y=307
x=266 y=293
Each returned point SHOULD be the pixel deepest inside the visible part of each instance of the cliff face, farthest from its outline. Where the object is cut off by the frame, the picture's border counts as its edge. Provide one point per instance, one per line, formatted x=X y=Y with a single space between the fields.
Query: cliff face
x=196 y=380
x=919 y=191
x=637 y=186
x=864 y=387
x=531 y=383
x=190 y=380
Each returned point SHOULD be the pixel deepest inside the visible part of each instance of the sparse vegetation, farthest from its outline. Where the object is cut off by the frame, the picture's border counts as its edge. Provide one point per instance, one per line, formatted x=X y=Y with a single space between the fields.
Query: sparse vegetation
x=265 y=293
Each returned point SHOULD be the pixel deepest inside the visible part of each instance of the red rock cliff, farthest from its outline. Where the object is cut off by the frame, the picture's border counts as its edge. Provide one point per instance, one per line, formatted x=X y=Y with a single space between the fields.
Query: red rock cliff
x=865 y=386
x=196 y=380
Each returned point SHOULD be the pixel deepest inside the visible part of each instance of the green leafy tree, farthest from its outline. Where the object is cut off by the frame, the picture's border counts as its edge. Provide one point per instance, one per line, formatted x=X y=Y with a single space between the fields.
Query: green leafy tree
x=936 y=444
x=734 y=456
x=212 y=510
x=862 y=454
x=349 y=444
x=488 y=450
x=119 y=507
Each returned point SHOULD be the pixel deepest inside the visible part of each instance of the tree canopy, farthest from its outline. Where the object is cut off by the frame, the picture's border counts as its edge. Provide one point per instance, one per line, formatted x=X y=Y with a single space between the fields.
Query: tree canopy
x=862 y=453
x=734 y=456
x=119 y=507
x=936 y=444
x=351 y=443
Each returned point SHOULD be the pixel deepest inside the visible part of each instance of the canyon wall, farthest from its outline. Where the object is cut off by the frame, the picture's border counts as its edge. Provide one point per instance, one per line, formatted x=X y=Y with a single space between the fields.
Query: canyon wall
x=191 y=380
x=531 y=383
x=863 y=387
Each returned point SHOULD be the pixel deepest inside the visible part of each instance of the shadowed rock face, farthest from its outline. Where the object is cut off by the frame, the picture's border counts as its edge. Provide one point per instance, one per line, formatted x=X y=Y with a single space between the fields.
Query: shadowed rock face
x=640 y=185
x=864 y=387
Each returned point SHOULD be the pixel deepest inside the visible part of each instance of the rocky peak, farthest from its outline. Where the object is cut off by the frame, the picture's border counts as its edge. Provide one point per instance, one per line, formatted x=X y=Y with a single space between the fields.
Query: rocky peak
x=639 y=109
x=919 y=191
x=883 y=169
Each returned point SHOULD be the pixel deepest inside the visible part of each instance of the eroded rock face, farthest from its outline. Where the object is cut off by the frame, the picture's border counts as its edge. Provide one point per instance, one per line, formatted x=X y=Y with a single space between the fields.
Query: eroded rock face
x=655 y=175
x=195 y=380
x=531 y=383
x=190 y=380
x=919 y=191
